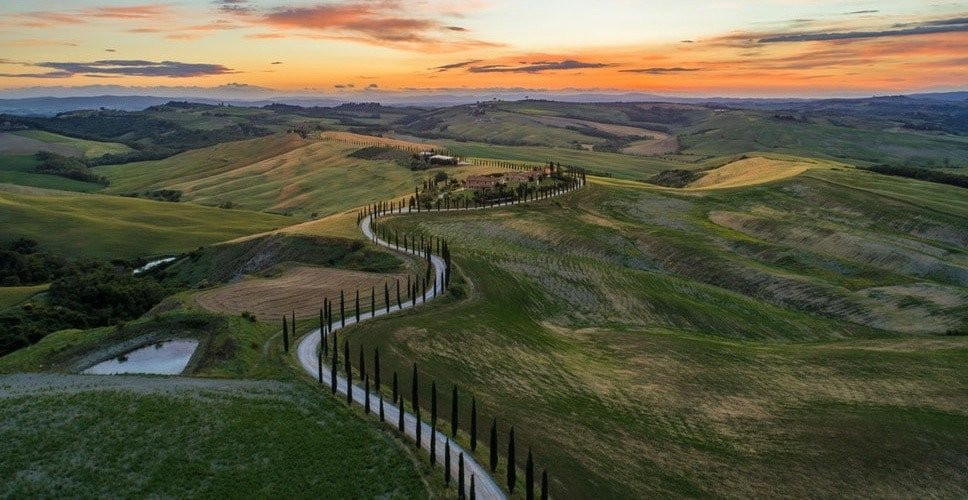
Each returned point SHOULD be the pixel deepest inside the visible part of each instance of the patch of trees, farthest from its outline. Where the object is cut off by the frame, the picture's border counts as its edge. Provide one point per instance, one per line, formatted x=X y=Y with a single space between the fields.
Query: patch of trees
x=676 y=178
x=171 y=195
x=922 y=174
x=65 y=166
x=22 y=264
x=658 y=114
x=82 y=295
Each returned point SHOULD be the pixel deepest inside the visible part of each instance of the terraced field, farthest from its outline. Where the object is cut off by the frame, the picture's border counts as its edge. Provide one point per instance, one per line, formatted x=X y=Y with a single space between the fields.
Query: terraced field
x=648 y=345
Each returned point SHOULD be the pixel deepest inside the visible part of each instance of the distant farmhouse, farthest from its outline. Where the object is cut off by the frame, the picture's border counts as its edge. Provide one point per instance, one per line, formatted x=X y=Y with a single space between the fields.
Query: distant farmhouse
x=437 y=159
x=481 y=182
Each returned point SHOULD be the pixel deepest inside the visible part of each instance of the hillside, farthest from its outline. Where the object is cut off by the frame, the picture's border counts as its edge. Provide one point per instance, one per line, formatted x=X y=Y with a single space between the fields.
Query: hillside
x=726 y=338
x=116 y=227
x=282 y=173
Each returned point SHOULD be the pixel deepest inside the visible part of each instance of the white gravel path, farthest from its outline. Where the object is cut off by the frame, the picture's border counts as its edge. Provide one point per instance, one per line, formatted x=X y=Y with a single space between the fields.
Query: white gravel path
x=485 y=486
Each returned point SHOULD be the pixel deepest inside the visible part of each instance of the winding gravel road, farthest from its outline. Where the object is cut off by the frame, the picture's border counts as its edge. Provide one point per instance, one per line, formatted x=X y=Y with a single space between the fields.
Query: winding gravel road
x=484 y=485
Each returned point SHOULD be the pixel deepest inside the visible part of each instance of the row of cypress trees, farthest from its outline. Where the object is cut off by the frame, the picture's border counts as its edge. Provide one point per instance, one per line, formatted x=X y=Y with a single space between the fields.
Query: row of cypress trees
x=414 y=287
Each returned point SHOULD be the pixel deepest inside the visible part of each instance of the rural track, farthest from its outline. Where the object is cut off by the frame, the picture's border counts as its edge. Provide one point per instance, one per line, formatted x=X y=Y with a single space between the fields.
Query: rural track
x=307 y=349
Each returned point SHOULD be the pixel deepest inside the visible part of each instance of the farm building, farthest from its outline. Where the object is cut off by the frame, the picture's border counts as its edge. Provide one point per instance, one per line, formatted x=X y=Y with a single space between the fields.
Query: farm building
x=437 y=159
x=523 y=176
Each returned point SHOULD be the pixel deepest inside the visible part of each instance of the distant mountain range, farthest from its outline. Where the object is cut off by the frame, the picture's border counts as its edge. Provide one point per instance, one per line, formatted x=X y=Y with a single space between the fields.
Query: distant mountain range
x=245 y=95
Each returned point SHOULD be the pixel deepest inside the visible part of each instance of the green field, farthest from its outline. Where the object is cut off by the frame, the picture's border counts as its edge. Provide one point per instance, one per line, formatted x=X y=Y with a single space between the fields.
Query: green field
x=116 y=227
x=721 y=343
x=13 y=295
x=19 y=170
x=278 y=174
x=88 y=149
x=80 y=436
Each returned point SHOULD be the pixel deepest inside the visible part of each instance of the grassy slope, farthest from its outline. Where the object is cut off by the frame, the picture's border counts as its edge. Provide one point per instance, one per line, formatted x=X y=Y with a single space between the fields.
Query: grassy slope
x=116 y=227
x=13 y=295
x=90 y=149
x=281 y=173
x=19 y=170
x=282 y=441
x=643 y=349
x=187 y=437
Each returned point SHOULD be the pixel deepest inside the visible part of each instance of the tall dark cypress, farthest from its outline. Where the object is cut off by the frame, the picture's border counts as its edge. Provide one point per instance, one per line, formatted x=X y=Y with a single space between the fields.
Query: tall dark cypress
x=512 y=471
x=357 y=305
x=473 y=494
x=454 y=412
x=473 y=424
x=362 y=367
x=395 y=392
x=493 y=463
x=400 y=414
x=285 y=334
x=415 y=402
x=399 y=306
x=366 y=395
x=372 y=301
x=529 y=477
x=460 y=476
x=447 y=462
x=332 y=372
x=342 y=309
x=349 y=372
x=377 y=383
x=386 y=296
x=544 y=484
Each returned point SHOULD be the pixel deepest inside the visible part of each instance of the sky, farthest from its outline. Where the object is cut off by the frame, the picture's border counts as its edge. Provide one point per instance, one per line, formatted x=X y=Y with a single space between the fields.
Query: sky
x=684 y=47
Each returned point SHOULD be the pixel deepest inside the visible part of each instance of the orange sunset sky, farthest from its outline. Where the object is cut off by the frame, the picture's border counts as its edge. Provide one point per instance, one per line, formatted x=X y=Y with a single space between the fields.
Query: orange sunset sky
x=686 y=47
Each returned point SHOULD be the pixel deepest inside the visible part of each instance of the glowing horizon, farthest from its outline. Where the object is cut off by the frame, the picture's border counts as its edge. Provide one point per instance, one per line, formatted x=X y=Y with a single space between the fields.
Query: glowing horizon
x=727 y=47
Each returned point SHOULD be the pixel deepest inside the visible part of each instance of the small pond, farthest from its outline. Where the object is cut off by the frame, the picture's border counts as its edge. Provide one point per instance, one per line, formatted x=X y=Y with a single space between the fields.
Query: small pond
x=162 y=358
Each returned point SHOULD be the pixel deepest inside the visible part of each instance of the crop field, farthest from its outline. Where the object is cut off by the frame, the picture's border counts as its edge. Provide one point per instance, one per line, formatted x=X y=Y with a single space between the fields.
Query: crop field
x=751 y=171
x=644 y=344
x=96 y=436
x=115 y=227
x=19 y=170
x=300 y=289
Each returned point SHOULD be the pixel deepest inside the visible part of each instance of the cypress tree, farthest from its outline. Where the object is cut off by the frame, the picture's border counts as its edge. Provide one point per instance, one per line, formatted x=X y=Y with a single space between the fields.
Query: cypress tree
x=357 y=305
x=386 y=295
x=454 y=412
x=395 y=392
x=512 y=472
x=399 y=306
x=342 y=310
x=332 y=372
x=372 y=301
x=473 y=424
x=349 y=372
x=433 y=443
x=415 y=401
x=319 y=361
x=493 y=445
x=460 y=476
x=544 y=484
x=366 y=393
x=529 y=477
x=285 y=334
x=377 y=385
x=473 y=489
x=400 y=414
x=447 y=462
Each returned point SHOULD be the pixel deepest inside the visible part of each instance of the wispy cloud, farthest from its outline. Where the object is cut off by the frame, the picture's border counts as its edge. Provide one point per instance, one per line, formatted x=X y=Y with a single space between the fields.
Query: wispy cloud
x=659 y=71
x=457 y=65
x=926 y=28
x=126 y=67
x=538 y=67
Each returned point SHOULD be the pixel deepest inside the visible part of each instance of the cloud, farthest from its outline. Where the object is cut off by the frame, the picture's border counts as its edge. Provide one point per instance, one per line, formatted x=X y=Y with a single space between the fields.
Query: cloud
x=659 y=71
x=169 y=69
x=110 y=50
x=276 y=62
x=927 y=28
x=234 y=6
x=344 y=86
x=372 y=86
x=856 y=12
x=537 y=67
x=456 y=65
x=51 y=74
x=455 y=28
